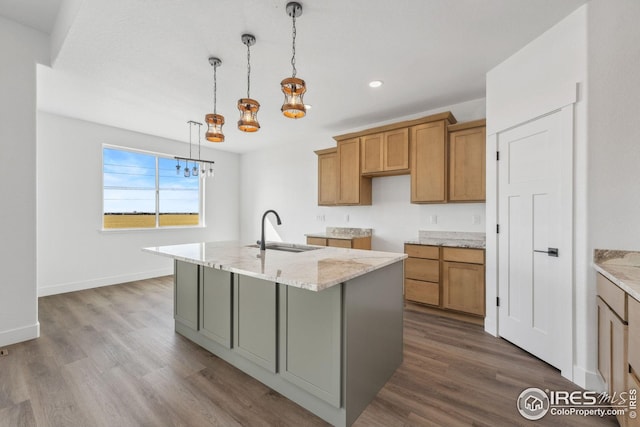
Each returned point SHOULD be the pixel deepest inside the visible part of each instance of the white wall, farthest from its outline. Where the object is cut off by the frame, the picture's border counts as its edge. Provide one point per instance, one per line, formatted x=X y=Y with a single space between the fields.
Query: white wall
x=21 y=48
x=73 y=252
x=538 y=77
x=614 y=135
x=614 y=124
x=285 y=179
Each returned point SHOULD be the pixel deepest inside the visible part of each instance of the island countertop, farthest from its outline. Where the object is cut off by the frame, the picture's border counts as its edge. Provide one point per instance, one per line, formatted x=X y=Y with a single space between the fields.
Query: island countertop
x=314 y=270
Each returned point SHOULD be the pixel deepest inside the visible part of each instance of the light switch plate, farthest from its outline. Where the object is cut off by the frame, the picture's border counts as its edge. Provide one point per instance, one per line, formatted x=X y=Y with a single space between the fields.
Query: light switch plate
x=433 y=219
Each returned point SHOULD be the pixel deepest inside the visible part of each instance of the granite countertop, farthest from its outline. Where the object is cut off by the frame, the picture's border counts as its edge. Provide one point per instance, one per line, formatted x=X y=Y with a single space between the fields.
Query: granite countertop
x=456 y=239
x=342 y=233
x=314 y=270
x=621 y=267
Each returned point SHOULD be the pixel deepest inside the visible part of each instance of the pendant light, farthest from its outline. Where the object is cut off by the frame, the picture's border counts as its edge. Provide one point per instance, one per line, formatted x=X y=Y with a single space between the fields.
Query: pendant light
x=201 y=167
x=214 y=121
x=293 y=87
x=248 y=107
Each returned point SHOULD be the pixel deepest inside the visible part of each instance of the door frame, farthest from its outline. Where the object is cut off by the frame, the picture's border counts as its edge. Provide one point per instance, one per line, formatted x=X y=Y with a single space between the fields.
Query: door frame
x=563 y=100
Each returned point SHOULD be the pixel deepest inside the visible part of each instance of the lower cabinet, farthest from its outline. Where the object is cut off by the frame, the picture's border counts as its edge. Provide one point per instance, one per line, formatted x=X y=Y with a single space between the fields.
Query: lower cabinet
x=216 y=287
x=463 y=287
x=310 y=340
x=185 y=301
x=255 y=320
x=446 y=277
x=613 y=339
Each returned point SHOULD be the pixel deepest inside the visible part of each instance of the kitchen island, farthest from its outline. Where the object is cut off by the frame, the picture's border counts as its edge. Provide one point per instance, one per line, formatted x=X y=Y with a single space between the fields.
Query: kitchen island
x=321 y=326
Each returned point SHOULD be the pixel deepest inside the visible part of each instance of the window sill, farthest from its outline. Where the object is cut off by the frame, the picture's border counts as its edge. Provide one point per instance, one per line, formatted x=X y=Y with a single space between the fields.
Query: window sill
x=147 y=229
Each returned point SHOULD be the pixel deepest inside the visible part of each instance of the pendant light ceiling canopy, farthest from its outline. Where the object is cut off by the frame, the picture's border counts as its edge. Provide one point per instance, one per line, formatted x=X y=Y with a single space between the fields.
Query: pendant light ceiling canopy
x=248 y=107
x=293 y=87
x=214 y=121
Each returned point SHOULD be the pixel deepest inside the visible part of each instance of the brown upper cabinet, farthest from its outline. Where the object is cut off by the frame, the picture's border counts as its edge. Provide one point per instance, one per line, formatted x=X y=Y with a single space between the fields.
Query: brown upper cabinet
x=428 y=162
x=327 y=176
x=339 y=179
x=446 y=161
x=353 y=189
x=385 y=153
x=467 y=161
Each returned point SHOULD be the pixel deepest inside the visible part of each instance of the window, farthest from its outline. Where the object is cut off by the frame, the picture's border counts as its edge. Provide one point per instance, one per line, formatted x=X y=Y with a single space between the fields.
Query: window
x=142 y=190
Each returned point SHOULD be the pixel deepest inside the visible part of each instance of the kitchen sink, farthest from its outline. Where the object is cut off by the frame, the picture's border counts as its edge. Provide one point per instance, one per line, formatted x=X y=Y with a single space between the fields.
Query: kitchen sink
x=287 y=247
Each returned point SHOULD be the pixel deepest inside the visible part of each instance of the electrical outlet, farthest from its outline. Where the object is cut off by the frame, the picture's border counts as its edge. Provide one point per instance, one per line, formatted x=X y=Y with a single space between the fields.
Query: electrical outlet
x=433 y=219
x=475 y=219
x=4 y=352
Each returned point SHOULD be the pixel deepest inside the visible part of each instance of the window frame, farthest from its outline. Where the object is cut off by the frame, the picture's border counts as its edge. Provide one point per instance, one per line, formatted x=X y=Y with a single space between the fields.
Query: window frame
x=157 y=155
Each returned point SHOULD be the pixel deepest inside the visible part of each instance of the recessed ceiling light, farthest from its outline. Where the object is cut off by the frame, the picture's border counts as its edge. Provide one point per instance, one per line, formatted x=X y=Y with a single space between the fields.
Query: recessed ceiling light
x=375 y=83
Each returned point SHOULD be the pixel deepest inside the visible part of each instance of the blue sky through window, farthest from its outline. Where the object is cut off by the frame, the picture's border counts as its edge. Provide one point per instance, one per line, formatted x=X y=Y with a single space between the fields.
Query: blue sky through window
x=130 y=184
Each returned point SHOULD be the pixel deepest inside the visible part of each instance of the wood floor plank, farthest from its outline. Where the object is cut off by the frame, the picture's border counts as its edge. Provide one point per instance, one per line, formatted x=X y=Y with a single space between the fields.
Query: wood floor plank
x=110 y=356
x=19 y=415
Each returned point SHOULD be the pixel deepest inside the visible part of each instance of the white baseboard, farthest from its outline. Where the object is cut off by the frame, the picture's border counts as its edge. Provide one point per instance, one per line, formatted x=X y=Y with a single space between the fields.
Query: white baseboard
x=103 y=281
x=17 y=335
x=588 y=380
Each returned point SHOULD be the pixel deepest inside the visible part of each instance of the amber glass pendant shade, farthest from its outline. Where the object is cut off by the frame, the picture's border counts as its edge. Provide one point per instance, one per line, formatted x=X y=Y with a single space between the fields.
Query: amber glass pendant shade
x=214 y=127
x=293 y=89
x=248 y=115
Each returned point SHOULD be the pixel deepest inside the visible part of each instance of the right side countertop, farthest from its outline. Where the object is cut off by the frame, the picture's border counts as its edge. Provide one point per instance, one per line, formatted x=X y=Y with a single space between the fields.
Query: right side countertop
x=456 y=239
x=621 y=267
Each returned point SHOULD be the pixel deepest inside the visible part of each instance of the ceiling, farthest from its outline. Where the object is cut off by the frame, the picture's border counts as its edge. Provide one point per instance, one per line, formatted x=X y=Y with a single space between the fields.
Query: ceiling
x=143 y=64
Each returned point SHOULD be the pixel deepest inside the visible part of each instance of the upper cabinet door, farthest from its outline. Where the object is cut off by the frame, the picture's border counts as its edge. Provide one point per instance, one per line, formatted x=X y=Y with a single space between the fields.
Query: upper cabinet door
x=353 y=189
x=396 y=150
x=372 y=153
x=467 y=164
x=386 y=153
x=327 y=177
x=428 y=162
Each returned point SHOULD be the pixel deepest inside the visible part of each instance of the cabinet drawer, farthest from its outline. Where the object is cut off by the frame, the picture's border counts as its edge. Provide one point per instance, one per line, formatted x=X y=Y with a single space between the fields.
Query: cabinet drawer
x=422 y=269
x=634 y=335
x=424 y=292
x=473 y=256
x=420 y=251
x=611 y=294
x=316 y=241
x=339 y=243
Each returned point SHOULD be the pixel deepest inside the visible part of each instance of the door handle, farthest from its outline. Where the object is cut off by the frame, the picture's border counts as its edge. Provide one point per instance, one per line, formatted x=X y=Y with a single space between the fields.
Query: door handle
x=551 y=252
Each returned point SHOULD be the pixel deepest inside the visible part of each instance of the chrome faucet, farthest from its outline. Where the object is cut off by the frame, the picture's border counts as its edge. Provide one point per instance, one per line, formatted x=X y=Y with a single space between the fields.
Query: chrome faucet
x=261 y=241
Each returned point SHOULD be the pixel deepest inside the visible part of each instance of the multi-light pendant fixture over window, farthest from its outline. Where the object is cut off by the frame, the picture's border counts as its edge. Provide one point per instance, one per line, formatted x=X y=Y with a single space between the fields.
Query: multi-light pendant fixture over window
x=205 y=166
x=292 y=87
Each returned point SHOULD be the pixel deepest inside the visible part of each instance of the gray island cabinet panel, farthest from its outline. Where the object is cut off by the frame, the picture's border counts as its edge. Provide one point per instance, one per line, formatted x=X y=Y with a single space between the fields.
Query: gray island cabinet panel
x=255 y=320
x=216 y=305
x=185 y=309
x=311 y=339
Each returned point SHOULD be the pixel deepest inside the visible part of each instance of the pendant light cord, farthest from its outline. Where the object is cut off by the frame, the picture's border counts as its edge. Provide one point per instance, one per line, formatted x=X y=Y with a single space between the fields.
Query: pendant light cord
x=293 y=57
x=215 y=87
x=248 y=69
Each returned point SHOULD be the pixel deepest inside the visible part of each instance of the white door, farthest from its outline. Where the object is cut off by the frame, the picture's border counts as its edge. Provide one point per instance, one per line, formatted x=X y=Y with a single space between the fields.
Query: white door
x=535 y=220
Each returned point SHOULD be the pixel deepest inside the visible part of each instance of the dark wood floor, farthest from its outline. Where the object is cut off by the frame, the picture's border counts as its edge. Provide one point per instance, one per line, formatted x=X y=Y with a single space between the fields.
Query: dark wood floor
x=109 y=357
